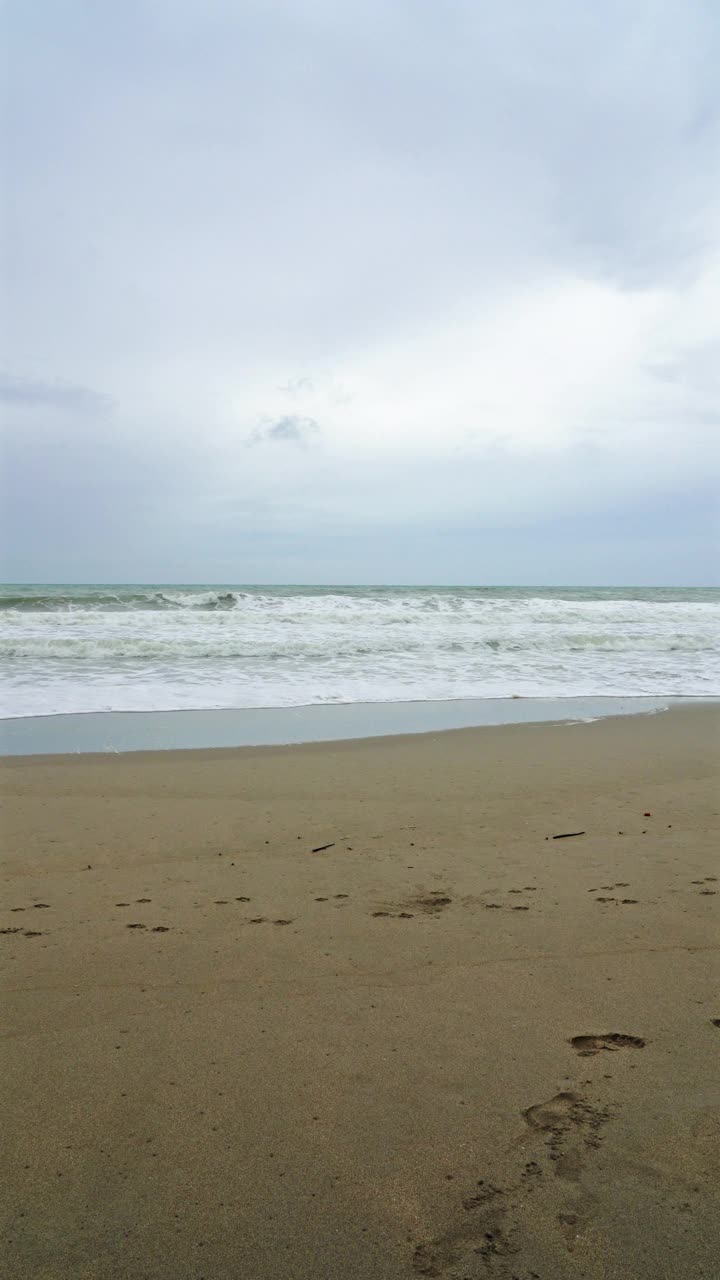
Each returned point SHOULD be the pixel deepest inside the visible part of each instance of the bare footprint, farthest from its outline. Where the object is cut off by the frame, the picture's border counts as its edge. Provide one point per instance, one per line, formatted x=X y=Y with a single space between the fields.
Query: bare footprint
x=555 y=1115
x=587 y=1046
x=571 y=1128
x=572 y=1222
x=486 y=1236
x=431 y=904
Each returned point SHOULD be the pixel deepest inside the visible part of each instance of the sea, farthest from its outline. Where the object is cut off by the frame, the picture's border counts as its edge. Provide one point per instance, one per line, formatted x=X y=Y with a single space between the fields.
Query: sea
x=153 y=647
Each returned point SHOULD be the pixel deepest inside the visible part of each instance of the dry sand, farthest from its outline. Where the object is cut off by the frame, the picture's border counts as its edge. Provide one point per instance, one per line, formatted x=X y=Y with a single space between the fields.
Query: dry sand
x=227 y=1056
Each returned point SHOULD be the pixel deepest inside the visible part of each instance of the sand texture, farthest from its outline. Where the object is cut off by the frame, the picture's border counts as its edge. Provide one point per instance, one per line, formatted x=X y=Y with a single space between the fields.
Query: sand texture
x=446 y=1044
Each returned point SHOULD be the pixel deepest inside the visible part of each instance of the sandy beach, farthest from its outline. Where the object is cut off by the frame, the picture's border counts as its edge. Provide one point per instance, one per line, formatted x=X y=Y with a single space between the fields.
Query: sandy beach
x=351 y=1012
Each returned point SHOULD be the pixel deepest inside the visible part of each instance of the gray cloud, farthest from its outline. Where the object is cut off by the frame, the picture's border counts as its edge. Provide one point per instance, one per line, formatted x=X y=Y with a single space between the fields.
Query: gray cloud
x=296 y=386
x=28 y=393
x=697 y=367
x=290 y=429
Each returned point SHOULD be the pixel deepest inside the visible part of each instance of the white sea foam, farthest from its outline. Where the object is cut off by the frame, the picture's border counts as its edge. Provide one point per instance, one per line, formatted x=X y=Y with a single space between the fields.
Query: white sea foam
x=161 y=648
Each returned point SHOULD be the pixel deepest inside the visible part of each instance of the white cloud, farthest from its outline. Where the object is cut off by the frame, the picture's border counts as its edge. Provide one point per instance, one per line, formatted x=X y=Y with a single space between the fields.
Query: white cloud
x=540 y=370
x=468 y=254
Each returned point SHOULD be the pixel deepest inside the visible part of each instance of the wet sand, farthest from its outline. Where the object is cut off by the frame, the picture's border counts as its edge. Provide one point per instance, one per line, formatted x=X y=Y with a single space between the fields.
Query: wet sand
x=445 y=1045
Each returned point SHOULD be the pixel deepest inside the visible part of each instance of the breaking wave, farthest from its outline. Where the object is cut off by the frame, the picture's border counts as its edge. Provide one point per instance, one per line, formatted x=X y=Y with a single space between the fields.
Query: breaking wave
x=162 y=647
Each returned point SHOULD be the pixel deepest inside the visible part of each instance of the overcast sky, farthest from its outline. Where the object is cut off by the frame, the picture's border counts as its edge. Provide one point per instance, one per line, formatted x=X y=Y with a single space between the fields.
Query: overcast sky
x=359 y=291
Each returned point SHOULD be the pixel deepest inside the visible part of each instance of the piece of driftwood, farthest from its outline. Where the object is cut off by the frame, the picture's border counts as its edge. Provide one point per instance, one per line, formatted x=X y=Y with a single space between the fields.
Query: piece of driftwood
x=565 y=835
x=324 y=846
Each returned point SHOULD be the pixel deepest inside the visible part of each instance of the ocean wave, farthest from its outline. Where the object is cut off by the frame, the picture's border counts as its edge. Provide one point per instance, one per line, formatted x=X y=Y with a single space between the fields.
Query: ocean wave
x=113 y=602
x=384 y=602
x=320 y=648
x=145 y=647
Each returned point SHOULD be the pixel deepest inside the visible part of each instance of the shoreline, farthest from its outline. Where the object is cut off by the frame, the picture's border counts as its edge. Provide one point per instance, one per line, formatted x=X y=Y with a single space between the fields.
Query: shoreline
x=121 y=732
x=349 y=1009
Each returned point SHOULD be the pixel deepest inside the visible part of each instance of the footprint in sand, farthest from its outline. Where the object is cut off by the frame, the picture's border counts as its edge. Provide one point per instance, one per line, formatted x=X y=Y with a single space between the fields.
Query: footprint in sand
x=432 y=904
x=587 y=1046
x=428 y=904
x=143 y=899
x=571 y=1127
x=493 y=1232
x=557 y=1115
x=282 y=921
x=161 y=928
x=136 y=926
x=393 y=915
x=241 y=899
x=486 y=1236
x=17 y=930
